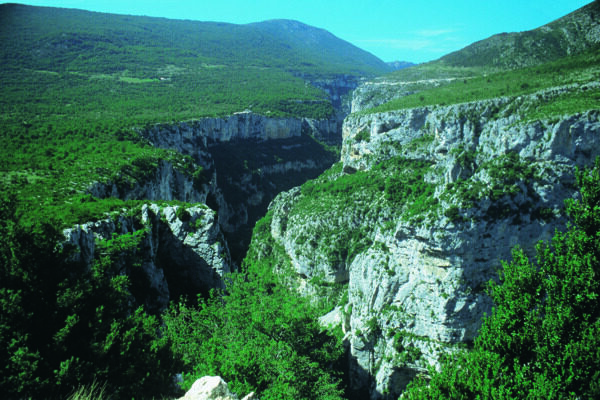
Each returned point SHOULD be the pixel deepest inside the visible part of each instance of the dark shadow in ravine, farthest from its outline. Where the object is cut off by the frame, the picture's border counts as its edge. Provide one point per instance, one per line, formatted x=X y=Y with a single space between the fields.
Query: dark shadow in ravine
x=250 y=173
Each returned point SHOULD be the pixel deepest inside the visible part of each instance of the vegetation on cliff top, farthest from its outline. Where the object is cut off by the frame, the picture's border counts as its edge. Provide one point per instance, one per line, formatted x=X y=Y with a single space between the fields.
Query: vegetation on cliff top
x=543 y=336
x=74 y=83
x=70 y=96
x=570 y=35
x=63 y=324
x=65 y=327
x=560 y=53
x=576 y=70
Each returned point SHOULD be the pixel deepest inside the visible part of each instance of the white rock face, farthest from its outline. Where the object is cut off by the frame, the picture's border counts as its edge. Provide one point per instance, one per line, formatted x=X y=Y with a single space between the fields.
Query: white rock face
x=178 y=256
x=164 y=183
x=246 y=159
x=416 y=288
x=212 y=388
x=188 y=136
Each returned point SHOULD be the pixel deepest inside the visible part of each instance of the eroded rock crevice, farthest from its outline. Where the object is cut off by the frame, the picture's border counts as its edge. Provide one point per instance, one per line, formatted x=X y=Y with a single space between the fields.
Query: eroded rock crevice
x=418 y=250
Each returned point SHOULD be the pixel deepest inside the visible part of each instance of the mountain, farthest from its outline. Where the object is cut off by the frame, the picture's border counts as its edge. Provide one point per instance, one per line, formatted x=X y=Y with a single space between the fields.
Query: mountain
x=574 y=35
x=67 y=39
x=400 y=237
x=569 y=35
x=397 y=65
x=323 y=47
x=149 y=148
x=160 y=70
x=77 y=85
x=445 y=167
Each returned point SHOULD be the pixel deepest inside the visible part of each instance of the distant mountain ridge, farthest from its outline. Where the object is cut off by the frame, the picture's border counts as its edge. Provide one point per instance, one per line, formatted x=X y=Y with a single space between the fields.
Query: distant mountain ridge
x=280 y=43
x=317 y=43
x=569 y=35
x=575 y=35
x=397 y=65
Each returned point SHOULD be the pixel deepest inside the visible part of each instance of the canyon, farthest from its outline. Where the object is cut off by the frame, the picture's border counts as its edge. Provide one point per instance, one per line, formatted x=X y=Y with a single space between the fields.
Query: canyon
x=408 y=283
x=405 y=286
x=270 y=203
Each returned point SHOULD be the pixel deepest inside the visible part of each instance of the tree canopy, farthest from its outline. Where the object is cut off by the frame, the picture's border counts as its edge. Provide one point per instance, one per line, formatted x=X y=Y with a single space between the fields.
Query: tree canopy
x=542 y=339
x=63 y=325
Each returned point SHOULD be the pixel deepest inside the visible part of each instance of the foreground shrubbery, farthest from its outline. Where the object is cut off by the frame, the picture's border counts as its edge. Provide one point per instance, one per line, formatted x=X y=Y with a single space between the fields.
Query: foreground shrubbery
x=542 y=339
x=65 y=328
x=258 y=336
x=63 y=325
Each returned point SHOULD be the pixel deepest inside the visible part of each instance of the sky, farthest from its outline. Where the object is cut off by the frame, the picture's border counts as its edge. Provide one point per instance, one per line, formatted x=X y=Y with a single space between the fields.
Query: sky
x=393 y=30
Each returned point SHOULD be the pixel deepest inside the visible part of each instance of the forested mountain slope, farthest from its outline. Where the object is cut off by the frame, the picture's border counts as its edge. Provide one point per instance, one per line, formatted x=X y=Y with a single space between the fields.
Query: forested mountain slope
x=570 y=35
x=119 y=127
x=112 y=126
x=75 y=84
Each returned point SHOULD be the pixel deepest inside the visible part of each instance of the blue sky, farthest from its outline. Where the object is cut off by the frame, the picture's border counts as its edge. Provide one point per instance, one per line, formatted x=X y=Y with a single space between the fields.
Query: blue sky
x=416 y=31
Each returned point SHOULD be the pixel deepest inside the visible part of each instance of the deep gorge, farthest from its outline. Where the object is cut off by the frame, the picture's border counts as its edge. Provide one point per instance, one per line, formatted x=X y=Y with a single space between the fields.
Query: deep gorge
x=380 y=265
x=271 y=204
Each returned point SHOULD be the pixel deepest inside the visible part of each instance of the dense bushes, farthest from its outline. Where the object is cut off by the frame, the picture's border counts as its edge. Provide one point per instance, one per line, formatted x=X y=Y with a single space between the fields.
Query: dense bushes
x=543 y=336
x=517 y=82
x=63 y=325
x=258 y=336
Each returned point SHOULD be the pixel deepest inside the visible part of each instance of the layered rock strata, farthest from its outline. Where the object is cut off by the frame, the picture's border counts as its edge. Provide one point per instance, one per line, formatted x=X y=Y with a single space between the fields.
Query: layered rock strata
x=247 y=159
x=406 y=230
x=186 y=136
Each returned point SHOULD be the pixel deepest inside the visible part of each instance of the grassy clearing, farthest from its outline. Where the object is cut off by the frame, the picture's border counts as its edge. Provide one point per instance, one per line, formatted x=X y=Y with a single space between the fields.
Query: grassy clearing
x=573 y=70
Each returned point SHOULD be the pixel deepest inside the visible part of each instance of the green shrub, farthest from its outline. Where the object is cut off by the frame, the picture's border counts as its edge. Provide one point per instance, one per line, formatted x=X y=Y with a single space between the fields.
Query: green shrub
x=543 y=335
x=183 y=214
x=65 y=325
x=363 y=136
x=259 y=337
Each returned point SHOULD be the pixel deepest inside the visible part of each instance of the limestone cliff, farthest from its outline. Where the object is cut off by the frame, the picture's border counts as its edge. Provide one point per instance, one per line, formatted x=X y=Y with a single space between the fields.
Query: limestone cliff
x=379 y=91
x=339 y=89
x=247 y=160
x=405 y=231
x=161 y=182
x=180 y=250
x=185 y=136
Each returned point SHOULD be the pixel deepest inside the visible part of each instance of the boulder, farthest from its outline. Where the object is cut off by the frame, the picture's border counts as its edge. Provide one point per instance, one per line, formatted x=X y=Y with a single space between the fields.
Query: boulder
x=212 y=388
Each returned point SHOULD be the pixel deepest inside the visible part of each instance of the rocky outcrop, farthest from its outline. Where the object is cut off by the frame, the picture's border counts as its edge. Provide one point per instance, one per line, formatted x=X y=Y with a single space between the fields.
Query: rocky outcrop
x=339 y=89
x=212 y=388
x=161 y=182
x=405 y=231
x=382 y=90
x=187 y=136
x=172 y=250
x=247 y=159
x=239 y=164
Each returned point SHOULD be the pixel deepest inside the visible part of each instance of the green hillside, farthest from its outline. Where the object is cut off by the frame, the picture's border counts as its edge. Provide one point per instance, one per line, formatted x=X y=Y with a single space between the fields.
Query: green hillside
x=161 y=70
x=562 y=52
x=573 y=34
x=570 y=35
x=317 y=48
x=576 y=71
x=75 y=82
x=67 y=39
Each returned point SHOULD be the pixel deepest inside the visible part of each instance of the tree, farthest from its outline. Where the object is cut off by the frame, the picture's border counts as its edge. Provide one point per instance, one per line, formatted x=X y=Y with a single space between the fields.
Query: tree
x=63 y=325
x=260 y=337
x=542 y=339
